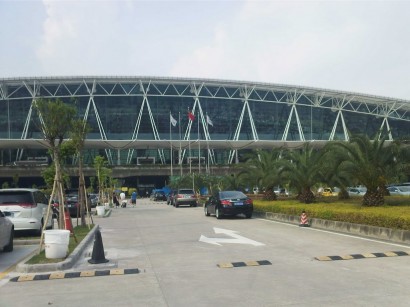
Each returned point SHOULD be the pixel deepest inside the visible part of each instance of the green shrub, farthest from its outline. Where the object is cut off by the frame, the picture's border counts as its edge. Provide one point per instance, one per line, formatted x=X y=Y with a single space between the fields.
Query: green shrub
x=396 y=215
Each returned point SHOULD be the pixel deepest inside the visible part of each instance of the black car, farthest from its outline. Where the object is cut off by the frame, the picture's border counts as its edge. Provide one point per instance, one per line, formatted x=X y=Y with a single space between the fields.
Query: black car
x=160 y=195
x=72 y=202
x=229 y=203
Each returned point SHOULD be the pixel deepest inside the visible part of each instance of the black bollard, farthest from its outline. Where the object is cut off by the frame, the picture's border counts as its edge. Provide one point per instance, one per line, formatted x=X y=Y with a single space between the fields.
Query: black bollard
x=98 y=255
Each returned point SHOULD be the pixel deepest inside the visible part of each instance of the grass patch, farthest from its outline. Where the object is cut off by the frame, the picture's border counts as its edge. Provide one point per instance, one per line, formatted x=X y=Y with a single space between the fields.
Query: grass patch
x=394 y=214
x=80 y=232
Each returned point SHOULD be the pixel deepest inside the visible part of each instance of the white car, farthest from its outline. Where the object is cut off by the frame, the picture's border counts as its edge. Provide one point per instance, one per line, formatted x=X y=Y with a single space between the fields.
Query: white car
x=6 y=233
x=399 y=190
x=26 y=209
x=356 y=191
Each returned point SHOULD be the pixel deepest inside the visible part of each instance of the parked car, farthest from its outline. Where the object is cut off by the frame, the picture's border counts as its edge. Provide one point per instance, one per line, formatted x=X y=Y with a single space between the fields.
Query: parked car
x=160 y=195
x=185 y=197
x=356 y=191
x=27 y=208
x=329 y=192
x=6 y=232
x=94 y=199
x=281 y=192
x=72 y=201
x=229 y=203
x=171 y=196
x=399 y=190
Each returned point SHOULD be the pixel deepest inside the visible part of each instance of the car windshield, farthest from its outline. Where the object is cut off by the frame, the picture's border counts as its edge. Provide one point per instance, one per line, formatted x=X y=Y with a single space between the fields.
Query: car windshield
x=231 y=194
x=15 y=197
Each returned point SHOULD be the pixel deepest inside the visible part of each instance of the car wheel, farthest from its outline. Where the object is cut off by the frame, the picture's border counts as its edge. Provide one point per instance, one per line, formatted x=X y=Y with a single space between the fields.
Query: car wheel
x=39 y=231
x=9 y=246
x=176 y=205
x=206 y=211
x=218 y=214
x=248 y=215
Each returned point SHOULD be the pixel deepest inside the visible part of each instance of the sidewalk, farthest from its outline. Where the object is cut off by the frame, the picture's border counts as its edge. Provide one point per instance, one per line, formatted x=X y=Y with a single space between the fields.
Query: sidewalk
x=78 y=259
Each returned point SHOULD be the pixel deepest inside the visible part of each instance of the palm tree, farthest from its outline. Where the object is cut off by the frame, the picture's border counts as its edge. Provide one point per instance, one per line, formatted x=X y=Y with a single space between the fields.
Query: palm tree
x=333 y=172
x=303 y=168
x=371 y=163
x=261 y=169
x=56 y=119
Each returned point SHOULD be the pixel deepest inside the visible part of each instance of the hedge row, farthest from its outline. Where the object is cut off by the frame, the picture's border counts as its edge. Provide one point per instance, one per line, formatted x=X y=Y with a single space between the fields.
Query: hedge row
x=396 y=217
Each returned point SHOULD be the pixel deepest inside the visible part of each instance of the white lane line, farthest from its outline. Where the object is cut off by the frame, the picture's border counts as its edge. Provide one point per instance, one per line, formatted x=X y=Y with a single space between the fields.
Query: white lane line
x=337 y=233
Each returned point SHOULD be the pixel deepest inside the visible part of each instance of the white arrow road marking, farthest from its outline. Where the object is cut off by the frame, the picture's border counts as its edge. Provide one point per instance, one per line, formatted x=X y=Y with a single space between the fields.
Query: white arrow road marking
x=236 y=238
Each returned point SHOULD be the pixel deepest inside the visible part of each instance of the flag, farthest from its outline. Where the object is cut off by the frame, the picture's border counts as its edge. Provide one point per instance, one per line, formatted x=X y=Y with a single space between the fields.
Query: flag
x=191 y=116
x=173 y=120
x=209 y=121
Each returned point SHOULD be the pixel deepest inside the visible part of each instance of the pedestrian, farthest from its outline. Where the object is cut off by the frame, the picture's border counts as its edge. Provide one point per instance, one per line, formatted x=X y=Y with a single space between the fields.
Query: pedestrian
x=115 y=200
x=123 y=202
x=134 y=198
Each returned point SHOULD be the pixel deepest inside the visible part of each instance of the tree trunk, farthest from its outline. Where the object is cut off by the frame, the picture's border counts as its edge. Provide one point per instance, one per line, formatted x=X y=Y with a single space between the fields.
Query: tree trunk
x=373 y=198
x=81 y=190
x=269 y=194
x=307 y=196
x=60 y=186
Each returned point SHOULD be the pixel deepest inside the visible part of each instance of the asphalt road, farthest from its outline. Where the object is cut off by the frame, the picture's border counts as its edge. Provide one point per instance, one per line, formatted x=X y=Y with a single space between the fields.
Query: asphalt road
x=183 y=259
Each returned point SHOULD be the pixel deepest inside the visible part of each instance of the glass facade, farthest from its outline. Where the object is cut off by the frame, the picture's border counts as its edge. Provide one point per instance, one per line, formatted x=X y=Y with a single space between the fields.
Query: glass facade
x=138 y=110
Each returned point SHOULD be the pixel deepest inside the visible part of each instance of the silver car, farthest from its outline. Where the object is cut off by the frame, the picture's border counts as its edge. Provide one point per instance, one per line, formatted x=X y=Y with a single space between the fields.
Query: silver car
x=185 y=197
x=399 y=190
x=6 y=233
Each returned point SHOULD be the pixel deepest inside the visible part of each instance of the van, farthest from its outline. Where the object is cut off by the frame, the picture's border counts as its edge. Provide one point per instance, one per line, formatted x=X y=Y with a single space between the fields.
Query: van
x=26 y=209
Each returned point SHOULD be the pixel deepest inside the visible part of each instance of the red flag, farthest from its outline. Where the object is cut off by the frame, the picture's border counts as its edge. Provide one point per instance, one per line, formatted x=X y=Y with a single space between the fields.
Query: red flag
x=191 y=116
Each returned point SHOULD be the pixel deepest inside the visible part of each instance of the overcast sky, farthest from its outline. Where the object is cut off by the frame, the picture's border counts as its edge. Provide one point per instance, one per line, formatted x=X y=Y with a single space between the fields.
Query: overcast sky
x=356 y=46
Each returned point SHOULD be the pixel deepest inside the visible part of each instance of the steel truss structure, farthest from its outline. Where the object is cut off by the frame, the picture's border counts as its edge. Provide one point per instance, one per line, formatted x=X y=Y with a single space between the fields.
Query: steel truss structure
x=245 y=105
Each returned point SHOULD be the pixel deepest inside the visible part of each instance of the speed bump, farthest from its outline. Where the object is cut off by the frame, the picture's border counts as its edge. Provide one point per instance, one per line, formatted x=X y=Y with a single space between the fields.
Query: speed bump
x=363 y=256
x=62 y=275
x=229 y=265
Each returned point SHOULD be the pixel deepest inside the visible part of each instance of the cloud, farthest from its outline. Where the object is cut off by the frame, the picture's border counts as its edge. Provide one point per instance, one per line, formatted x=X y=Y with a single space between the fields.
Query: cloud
x=85 y=38
x=336 y=45
x=358 y=46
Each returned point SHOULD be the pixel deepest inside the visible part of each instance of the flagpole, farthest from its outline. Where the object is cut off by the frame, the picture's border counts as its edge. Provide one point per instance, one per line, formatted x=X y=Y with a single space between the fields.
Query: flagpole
x=180 y=162
x=207 y=145
x=199 y=147
x=189 y=143
x=170 y=142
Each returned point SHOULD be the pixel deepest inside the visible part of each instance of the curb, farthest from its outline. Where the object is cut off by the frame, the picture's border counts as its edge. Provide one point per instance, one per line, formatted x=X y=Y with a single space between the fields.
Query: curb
x=62 y=275
x=381 y=233
x=68 y=263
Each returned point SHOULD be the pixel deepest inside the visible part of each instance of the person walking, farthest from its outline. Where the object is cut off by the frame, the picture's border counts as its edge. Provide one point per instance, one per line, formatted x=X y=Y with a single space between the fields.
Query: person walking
x=134 y=198
x=115 y=200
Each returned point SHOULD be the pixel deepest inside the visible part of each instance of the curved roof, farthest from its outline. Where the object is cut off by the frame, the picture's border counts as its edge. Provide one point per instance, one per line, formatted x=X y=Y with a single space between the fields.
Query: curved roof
x=216 y=82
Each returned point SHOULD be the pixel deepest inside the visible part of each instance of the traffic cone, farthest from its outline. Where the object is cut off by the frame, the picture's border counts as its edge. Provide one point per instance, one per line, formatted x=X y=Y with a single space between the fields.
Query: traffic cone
x=304 y=220
x=68 y=225
x=98 y=255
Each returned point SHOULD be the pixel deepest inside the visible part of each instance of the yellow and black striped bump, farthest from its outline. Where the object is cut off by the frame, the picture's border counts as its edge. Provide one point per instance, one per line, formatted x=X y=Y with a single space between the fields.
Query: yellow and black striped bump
x=229 y=265
x=62 y=275
x=363 y=256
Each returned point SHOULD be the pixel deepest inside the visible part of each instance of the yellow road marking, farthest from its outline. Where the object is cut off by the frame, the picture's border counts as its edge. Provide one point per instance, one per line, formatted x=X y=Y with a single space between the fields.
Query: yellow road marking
x=57 y=275
x=87 y=273
x=26 y=278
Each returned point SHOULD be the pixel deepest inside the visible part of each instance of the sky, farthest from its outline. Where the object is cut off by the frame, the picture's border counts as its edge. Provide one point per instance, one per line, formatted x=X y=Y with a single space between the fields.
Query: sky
x=354 y=46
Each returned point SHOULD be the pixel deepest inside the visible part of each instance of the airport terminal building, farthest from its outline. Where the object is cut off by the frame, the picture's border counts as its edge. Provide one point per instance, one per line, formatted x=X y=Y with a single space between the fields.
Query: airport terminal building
x=178 y=121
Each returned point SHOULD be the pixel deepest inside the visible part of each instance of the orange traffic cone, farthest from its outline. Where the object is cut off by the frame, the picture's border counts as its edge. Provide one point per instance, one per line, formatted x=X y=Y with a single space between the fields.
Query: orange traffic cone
x=68 y=225
x=304 y=220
